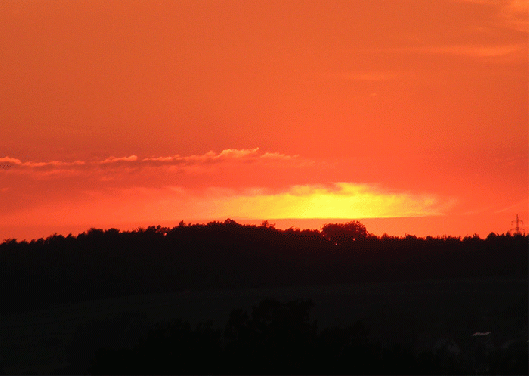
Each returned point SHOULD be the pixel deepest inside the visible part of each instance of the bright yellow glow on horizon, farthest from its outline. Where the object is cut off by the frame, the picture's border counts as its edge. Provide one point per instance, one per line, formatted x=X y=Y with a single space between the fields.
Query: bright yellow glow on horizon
x=346 y=200
x=339 y=200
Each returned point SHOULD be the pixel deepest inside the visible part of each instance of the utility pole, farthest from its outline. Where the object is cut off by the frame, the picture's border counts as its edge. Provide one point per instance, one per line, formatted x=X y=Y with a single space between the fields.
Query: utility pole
x=517 y=228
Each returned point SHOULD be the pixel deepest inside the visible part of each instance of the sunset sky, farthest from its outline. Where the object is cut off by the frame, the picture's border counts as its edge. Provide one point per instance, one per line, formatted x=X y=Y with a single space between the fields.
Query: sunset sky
x=409 y=115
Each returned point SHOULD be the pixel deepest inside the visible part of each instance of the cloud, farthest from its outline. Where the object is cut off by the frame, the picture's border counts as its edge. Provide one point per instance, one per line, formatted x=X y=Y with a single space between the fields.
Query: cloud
x=7 y=160
x=515 y=14
x=476 y=50
x=236 y=153
x=277 y=155
x=521 y=205
x=481 y=29
x=29 y=165
x=225 y=154
x=132 y=158
x=211 y=157
x=53 y=164
x=28 y=181
x=512 y=14
x=510 y=51
x=160 y=159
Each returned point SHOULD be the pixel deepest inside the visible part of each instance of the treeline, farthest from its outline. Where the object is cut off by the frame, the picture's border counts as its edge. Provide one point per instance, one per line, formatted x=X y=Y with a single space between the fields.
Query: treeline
x=109 y=263
x=280 y=338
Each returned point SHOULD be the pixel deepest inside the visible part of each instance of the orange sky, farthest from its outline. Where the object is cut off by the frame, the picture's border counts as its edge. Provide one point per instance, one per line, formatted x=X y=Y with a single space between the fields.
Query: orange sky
x=127 y=113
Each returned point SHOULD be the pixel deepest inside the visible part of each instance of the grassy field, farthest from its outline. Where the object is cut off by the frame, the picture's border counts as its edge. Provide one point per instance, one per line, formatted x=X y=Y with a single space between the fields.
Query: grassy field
x=45 y=340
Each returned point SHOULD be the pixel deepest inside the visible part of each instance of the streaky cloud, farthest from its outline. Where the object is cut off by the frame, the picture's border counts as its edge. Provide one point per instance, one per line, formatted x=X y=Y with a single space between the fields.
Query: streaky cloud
x=7 y=159
x=177 y=160
x=132 y=158
x=277 y=155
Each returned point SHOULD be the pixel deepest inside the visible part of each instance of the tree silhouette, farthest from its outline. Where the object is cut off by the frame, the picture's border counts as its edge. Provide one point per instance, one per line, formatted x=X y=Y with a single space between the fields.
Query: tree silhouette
x=340 y=233
x=102 y=264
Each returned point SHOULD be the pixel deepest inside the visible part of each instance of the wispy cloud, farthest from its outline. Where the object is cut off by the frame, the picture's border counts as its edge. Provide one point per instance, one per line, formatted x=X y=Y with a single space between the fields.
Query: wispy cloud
x=160 y=159
x=229 y=168
x=506 y=52
x=236 y=153
x=8 y=160
x=476 y=50
x=277 y=155
x=15 y=162
x=226 y=155
x=132 y=158
x=516 y=15
x=512 y=14
x=521 y=205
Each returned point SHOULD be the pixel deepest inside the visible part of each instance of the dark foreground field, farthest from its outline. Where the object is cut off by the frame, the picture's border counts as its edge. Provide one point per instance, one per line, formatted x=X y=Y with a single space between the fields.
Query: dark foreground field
x=91 y=303
x=418 y=315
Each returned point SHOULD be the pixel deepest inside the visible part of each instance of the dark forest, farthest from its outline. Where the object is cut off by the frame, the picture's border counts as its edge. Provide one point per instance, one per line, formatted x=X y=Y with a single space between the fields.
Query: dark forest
x=101 y=264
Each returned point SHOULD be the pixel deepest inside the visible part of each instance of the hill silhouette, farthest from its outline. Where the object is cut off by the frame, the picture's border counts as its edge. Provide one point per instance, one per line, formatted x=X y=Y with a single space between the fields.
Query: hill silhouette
x=416 y=301
x=108 y=263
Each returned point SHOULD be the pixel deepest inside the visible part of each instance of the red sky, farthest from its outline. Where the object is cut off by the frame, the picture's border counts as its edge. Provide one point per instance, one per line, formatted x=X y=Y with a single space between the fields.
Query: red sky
x=128 y=113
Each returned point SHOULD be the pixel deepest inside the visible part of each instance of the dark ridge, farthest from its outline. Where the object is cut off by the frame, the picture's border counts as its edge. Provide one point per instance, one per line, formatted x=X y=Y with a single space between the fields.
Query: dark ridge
x=109 y=263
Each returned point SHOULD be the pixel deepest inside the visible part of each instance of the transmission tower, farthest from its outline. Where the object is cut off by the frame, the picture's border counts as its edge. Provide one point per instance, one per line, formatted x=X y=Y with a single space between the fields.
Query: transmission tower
x=517 y=221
